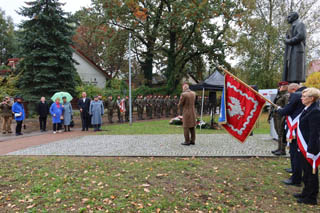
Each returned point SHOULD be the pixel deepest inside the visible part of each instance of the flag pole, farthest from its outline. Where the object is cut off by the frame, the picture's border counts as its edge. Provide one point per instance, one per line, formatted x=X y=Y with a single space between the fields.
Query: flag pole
x=253 y=90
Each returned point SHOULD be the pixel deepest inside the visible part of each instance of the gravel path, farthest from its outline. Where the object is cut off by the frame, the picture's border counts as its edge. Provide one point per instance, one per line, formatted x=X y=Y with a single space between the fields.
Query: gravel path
x=154 y=145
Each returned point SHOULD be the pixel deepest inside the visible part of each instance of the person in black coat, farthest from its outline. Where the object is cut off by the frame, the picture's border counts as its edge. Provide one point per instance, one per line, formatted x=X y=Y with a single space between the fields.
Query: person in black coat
x=43 y=111
x=84 y=105
x=309 y=127
x=293 y=109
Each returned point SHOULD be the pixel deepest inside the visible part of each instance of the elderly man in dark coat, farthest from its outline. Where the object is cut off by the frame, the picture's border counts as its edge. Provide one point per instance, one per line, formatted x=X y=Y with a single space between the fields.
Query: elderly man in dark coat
x=187 y=101
x=294 y=57
x=84 y=104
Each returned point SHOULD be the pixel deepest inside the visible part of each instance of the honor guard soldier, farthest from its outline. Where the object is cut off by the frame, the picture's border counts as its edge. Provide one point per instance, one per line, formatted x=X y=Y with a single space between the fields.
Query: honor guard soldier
x=281 y=100
x=110 y=105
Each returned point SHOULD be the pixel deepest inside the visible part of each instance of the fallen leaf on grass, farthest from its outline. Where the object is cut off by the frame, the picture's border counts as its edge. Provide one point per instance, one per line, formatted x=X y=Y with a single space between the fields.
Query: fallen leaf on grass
x=107 y=201
x=161 y=175
x=31 y=206
x=145 y=185
x=158 y=210
x=146 y=190
x=85 y=200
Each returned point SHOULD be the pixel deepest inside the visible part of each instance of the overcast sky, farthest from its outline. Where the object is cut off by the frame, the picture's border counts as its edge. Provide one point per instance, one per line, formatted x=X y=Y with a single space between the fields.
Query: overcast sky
x=10 y=6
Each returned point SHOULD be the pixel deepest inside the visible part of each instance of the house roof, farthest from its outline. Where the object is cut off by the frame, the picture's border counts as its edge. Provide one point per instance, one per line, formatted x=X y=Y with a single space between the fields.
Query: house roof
x=91 y=62
x=12 y=61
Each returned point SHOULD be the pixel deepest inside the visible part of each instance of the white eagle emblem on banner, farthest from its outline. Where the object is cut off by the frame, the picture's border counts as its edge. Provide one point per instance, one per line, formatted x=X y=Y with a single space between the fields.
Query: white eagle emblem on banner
x=234 y=108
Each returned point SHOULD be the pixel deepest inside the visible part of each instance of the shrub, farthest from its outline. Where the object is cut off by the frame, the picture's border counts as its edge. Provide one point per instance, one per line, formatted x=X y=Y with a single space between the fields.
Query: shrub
x=313 y=80
x=90 y=89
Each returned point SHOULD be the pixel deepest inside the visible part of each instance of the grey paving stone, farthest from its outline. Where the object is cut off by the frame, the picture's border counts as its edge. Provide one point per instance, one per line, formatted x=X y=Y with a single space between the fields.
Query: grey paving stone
x=154 y=145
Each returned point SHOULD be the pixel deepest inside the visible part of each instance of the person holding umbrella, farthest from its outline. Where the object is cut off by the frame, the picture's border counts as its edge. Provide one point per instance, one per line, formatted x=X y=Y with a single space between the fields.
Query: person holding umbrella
x=56 y=110
x=19 y=114
x=67 y=114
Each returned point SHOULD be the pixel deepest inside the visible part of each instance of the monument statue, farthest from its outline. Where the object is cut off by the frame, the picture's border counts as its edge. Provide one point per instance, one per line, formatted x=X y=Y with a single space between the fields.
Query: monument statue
x=294 y=57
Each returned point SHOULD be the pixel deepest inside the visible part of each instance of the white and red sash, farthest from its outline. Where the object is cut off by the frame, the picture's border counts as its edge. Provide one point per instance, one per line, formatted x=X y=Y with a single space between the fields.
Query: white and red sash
x=292 y=126
x=122 y=106
x=314 y=160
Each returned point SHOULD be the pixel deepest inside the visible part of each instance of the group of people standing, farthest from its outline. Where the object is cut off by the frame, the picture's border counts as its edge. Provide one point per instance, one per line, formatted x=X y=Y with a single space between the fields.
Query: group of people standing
x=61 y=113
x=206 y=105
x=154 y=106
x=91 y=112
x=299 y=113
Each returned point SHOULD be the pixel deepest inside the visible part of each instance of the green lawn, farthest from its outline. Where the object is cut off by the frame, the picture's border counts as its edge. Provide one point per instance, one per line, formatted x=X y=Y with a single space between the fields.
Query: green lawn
x=163 y=127
x=66 y=184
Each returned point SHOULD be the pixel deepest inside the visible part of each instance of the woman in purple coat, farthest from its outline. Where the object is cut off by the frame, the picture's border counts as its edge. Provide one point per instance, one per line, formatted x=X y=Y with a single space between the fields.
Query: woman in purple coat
x=56 y=113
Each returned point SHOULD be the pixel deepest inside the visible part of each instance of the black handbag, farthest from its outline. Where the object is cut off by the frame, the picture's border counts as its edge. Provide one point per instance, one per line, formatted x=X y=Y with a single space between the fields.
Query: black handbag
x=71 y=123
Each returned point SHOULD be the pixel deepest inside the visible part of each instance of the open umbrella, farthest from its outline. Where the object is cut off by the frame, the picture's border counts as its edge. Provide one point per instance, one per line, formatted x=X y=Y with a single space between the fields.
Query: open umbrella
x=60 y=95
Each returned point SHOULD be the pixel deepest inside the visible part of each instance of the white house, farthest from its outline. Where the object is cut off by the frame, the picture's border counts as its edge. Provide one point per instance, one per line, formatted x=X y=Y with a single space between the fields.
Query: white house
x=88 y=71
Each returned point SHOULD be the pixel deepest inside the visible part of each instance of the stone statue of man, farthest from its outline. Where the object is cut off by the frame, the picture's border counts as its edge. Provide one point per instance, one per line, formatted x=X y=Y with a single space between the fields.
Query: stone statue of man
x=294 y=57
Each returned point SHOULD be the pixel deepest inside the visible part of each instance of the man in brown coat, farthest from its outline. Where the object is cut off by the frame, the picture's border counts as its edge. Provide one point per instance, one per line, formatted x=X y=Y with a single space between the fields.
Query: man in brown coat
x=6 y=115
x=187 y=101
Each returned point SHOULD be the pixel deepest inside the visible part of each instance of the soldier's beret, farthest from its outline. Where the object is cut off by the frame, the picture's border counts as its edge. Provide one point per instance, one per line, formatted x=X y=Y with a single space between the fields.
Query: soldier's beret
x=283 y=83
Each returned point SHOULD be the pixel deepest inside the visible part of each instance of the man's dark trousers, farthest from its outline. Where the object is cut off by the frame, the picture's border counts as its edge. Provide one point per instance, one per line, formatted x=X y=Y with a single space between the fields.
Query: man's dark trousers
x=43 y=123
x=85 y=118
x=296 y=161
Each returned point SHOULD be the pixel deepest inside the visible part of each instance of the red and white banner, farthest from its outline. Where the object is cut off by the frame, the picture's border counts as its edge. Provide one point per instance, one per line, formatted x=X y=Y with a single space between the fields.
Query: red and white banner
x=242 y=107
x=122 y=106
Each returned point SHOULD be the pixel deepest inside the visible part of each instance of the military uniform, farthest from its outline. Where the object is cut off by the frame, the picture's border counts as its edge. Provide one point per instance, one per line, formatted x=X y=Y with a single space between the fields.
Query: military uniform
x=206 y=106
x=198 y=104
x=158 y=106
x=167 y=103
x=110 y=105
x=149 y=106
x=154 y=105
x=119 y=113
x=175 y=102
x=162 y=106
x=281 y=100
x=139 y=104
x=6 y=116
x=126 y=114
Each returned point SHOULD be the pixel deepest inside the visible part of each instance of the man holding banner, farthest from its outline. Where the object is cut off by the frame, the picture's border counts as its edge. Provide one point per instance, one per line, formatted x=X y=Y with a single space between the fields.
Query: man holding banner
x=292 y=110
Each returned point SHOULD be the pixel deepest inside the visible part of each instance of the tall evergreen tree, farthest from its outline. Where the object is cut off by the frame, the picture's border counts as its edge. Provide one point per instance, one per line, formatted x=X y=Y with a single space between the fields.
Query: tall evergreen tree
x=45 y=39
x=7 y=38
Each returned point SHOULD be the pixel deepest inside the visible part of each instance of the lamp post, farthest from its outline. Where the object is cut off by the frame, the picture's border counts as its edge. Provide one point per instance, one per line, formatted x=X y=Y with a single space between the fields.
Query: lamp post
x=130 y=97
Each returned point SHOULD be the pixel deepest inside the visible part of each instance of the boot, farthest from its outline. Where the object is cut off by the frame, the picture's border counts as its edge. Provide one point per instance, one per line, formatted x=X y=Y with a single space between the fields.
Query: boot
x=65 y=128
x=279 y=146
x=68 y=128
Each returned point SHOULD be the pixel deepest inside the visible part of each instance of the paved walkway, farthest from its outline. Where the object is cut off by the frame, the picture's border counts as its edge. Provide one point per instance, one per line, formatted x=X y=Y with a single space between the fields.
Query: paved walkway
x=11 y=143
x=150 y=145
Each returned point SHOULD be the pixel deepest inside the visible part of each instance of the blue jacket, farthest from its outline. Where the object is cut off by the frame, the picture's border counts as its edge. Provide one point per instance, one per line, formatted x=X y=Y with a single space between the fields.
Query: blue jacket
x=294 y=106
x=309 y=125
x=18 y=108
x=54 y=110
